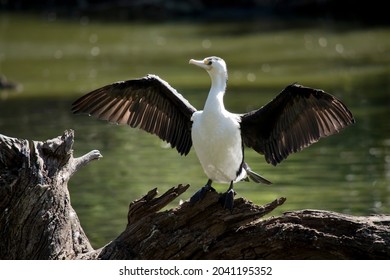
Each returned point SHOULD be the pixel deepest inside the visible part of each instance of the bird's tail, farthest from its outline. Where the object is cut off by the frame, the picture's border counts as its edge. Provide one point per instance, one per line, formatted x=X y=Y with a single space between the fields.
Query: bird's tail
x=254 y=176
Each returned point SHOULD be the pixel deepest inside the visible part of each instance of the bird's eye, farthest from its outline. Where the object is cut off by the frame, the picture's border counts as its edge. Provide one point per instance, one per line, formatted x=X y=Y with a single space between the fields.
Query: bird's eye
x=209 y=62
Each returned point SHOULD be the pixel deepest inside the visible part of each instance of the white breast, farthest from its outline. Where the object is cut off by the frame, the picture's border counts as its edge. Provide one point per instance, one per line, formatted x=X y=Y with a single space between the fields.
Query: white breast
x=217 y=142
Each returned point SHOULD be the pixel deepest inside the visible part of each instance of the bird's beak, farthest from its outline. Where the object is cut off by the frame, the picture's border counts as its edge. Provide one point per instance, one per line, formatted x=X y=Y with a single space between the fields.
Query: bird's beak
x=201 y=63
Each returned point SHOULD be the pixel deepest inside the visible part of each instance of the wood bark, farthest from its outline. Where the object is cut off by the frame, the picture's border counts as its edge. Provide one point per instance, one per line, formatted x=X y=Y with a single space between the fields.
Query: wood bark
x=37 y=220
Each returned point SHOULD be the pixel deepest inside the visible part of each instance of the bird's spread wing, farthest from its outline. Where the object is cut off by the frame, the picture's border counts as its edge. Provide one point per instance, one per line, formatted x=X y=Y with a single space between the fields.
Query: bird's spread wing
x=298 y=117
x=149 y=103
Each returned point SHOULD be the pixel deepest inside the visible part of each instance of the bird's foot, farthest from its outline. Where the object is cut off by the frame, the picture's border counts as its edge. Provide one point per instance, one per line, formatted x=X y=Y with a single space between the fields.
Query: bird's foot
x=227 y=199
x=200 y=194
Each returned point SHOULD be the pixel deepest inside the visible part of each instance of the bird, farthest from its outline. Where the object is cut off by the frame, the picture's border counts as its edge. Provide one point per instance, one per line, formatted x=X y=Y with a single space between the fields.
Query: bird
x=296 y=118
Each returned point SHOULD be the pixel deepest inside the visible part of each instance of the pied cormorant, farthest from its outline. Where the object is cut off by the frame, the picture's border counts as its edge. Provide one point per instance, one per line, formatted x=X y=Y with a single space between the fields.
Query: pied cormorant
x=296 y=118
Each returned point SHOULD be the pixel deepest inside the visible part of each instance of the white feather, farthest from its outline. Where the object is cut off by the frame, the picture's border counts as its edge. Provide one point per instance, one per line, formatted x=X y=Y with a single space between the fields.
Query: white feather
x=217 y=142
x=216 y=135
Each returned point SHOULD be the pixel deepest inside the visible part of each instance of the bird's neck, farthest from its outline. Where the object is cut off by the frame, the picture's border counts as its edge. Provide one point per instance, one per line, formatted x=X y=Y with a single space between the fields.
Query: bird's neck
x=214 y=102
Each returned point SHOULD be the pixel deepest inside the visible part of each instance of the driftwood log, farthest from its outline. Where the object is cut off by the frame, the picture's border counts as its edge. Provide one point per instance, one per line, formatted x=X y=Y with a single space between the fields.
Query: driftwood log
x=37 y=220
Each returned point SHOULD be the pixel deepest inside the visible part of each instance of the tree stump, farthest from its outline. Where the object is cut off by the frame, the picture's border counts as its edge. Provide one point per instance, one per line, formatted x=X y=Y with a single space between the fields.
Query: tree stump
x=37 y=220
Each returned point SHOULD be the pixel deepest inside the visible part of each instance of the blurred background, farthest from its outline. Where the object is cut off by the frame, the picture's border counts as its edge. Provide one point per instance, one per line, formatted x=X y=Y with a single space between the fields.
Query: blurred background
x=52 y=52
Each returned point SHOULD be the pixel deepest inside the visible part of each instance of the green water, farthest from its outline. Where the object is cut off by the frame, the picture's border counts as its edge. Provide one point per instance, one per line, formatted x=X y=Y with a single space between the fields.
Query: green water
x=57 y=61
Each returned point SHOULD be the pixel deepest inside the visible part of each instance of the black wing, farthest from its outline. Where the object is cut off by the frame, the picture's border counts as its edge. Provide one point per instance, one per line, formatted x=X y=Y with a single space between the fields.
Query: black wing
x=298 y=117
x=149 y=103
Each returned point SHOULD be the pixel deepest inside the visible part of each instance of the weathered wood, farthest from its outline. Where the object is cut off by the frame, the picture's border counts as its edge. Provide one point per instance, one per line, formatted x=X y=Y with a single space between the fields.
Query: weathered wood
x=185 y=232
x=37 y=220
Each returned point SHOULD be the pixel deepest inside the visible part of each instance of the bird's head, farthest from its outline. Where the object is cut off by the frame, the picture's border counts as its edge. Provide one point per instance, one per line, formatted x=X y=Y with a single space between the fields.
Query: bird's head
x=213 y=65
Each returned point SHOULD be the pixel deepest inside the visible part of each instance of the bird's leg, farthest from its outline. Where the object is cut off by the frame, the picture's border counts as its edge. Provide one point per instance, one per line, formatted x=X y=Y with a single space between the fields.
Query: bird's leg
x=227 y=199
x=199 y=195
